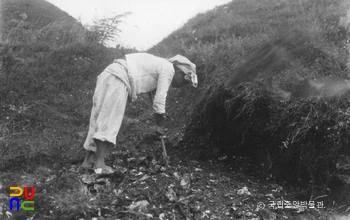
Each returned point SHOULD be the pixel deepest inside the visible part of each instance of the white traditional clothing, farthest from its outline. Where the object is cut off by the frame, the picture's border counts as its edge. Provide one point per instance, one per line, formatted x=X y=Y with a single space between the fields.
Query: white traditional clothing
x=187 y=67
x=138 y=73
x=109 y=102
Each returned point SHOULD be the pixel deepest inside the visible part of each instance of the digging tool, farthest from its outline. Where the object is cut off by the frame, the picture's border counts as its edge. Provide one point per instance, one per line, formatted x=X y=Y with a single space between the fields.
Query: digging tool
x=165 y=155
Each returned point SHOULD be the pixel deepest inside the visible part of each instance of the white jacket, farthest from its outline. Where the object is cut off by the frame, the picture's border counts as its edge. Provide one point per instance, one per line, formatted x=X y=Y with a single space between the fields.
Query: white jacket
x=147 y=73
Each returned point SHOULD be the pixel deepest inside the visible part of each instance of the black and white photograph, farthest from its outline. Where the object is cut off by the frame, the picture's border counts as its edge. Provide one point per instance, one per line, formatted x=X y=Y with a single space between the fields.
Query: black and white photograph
x=174 y=109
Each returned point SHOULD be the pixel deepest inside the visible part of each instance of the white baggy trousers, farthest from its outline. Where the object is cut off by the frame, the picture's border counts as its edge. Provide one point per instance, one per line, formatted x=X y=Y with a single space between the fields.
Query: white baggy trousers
x=109 y=103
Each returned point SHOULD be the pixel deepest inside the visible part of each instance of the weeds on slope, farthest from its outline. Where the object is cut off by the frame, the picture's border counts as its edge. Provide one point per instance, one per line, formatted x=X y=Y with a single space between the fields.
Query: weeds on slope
x=46 y=100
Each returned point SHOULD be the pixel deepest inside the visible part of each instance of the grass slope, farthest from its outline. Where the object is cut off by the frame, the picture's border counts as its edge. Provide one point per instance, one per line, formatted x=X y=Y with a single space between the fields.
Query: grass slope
x=39 y=12
x=40 y=22
x=48 y=71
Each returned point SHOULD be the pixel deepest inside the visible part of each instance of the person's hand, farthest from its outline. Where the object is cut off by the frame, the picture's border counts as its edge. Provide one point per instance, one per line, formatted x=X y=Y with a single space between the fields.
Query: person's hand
x=160 y=122
x=160 y=119
x=160 y=131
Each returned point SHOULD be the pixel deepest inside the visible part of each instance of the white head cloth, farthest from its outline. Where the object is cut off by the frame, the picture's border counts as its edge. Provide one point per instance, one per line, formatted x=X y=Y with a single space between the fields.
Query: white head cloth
x=187 y=67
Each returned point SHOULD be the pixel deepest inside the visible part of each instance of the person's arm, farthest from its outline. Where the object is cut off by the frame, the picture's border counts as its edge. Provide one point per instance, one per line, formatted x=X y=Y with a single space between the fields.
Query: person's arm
x=159 y=118
x=159 y=101
x=160 y=122
x=163 y=83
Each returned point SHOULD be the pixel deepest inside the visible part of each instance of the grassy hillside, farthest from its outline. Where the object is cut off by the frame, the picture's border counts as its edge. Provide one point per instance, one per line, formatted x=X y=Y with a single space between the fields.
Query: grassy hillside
x=48 y=71
x=26 y=16
x=39 y=12
x=40 y=22
x=287 y=139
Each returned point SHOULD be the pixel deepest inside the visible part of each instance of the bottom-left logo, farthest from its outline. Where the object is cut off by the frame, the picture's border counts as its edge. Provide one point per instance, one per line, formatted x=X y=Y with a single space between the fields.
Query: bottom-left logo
x=28 y=204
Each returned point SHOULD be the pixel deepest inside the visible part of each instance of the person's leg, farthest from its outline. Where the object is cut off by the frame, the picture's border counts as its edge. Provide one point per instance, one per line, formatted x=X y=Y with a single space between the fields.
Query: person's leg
x=109 y=119
x=89 y=143
x=101 y=152
x=109 y=122
x=109 y=103
x=89 y=160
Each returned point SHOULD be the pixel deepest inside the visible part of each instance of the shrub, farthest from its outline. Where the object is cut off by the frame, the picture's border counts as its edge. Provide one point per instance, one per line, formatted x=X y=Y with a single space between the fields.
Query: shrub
x=107 y=29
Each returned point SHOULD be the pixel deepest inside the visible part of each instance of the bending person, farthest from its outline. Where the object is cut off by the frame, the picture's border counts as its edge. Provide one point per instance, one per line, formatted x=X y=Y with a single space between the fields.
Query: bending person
x=124 y=80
